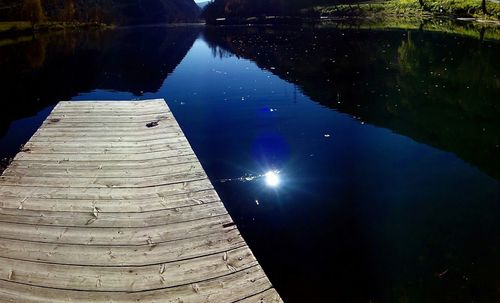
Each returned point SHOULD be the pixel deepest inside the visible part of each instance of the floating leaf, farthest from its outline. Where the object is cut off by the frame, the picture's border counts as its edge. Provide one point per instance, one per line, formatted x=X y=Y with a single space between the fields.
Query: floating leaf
x=441 y=274
x=11 y=274
x=224 y=257
x=162 y=268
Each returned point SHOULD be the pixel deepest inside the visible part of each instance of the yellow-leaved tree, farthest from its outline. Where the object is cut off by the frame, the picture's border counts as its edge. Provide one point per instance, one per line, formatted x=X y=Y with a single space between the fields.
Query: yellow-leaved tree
x=33 y=11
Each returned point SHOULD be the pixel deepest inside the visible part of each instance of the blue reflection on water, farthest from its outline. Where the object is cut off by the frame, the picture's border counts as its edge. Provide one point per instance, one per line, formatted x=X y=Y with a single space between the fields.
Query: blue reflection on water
x=375 y=207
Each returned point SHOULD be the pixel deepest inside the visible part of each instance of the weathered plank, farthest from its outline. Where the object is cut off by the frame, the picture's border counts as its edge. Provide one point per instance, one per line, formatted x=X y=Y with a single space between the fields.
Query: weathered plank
x=114 y=235
x=107 y=255
x=107 y=202
x=106 y=182
x=125 y=278
x=229 y=288
x=104 y=172
x=145 y=204
x=98 y=219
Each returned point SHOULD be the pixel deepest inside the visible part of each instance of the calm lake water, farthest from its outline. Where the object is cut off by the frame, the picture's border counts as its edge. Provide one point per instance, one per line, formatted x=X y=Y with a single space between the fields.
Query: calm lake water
x=386 y=143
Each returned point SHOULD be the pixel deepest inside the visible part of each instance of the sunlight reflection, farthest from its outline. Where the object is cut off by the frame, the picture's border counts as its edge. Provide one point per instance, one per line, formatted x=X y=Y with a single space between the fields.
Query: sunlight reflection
x=272 y=179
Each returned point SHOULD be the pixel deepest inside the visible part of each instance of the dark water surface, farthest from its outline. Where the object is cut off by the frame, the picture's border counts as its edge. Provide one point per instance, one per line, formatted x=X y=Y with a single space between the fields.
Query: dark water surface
x=386 y=143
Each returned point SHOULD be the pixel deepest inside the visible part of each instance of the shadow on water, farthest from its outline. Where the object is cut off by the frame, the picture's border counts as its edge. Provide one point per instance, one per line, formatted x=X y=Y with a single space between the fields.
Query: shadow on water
x=364 y=231
x=434 y=88
x=40 y=71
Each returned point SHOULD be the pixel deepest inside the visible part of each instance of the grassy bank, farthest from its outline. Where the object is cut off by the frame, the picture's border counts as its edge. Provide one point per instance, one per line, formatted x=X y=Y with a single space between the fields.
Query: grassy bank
x=25 y=27
x=15 y=27
x=412 y=8
x=466 y=29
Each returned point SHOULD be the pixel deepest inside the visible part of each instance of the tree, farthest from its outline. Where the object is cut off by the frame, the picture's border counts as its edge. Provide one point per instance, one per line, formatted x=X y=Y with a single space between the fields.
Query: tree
x=483 y=7
x=33 y=11
x=69 y=10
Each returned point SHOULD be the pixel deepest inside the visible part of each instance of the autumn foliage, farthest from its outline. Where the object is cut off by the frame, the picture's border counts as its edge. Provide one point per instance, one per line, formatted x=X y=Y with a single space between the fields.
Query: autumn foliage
x=32 y=10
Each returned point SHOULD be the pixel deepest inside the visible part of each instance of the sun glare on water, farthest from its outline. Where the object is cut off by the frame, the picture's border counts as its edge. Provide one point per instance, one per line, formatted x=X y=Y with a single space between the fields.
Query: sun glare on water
x=272 y=179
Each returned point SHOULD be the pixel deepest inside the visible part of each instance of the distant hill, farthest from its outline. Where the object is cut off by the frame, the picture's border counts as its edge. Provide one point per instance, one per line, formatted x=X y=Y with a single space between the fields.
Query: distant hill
x=203 y=4
x=115 y=11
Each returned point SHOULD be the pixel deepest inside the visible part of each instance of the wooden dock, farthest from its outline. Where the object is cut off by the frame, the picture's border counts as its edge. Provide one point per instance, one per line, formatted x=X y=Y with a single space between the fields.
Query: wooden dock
x=107 y=202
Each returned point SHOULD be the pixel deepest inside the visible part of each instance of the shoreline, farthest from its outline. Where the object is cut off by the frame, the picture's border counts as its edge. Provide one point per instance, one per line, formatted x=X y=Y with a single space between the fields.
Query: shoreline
x=472 y=27
x=13 y=29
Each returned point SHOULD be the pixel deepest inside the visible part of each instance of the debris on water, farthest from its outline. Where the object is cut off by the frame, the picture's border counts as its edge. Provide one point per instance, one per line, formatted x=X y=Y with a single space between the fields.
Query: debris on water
x=327 y=135
x=257 y=202
x=246 y=178
x=152 y=124
x=441 y=274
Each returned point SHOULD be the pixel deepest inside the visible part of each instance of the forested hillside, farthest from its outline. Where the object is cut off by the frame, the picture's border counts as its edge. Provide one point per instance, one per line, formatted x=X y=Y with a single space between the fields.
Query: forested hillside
x=108 y=11
x=244 y=8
